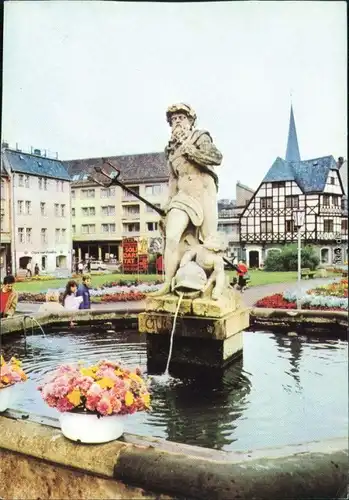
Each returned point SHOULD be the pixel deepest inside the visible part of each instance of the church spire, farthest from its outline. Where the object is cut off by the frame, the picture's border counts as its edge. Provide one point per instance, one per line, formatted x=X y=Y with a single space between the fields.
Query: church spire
x=292 y=151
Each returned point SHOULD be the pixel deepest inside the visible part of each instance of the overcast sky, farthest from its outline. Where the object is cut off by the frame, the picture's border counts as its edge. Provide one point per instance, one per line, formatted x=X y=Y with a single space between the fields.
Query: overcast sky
x=89 y=79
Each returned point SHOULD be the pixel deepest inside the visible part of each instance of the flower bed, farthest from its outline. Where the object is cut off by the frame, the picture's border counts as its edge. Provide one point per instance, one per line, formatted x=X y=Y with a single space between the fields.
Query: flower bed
x=336 y=289
x=332 y=297
x=112 y=294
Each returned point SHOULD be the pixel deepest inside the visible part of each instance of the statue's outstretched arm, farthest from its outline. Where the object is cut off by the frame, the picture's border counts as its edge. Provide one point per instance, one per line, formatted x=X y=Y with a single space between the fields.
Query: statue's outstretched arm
x=204 y=152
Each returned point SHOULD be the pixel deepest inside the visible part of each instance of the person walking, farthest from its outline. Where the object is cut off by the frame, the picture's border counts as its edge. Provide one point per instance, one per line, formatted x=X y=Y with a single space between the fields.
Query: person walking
x=80 y=267
x=242 y=271
x=84 y=292
x=8 y=298
x=36 y=270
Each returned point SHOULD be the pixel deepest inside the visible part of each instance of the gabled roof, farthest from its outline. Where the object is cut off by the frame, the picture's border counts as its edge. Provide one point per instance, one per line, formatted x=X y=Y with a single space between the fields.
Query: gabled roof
x=145 y=167
x=35 y=165
x=292 y=150
x=310 y=175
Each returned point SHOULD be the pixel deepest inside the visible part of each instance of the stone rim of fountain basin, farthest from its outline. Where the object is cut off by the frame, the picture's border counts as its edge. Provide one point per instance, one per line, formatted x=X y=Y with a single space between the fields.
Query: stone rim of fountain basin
x=309 y=321
x=313 y=321
x=295 y=471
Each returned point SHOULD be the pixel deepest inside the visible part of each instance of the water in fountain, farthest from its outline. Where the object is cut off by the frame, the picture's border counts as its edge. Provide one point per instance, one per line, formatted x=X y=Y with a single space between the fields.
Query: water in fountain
x=285 y=390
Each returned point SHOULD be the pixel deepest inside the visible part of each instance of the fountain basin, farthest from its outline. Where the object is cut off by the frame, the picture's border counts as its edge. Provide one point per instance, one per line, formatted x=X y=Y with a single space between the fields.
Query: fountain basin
x=48 y=465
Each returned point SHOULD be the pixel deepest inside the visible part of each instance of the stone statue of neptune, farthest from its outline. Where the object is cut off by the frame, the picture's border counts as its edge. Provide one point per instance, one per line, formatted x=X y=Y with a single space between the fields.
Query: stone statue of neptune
x=191 y=212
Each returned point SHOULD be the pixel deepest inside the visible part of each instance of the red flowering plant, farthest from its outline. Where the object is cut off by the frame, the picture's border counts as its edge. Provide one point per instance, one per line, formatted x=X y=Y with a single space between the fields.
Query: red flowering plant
x=103 y=389
x=122 y=297
x=276 y=301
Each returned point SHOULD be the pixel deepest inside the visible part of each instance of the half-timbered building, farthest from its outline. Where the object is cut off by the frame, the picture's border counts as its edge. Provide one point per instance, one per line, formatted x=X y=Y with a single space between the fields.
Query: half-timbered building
x=313 y=187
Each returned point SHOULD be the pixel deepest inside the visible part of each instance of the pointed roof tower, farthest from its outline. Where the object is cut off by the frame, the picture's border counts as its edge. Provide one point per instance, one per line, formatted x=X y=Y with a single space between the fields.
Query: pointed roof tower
x=292 y=151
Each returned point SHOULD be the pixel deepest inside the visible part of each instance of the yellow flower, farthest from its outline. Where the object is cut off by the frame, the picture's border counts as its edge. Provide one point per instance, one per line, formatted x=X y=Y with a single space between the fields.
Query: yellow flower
x=74 y=397
x=5 y=379
x=146 y=399
x=106 y=383
x=136 y=378
x=87 y=372
x=16 y=362
x=119 y=372
x=129 y=398
x=2 y=361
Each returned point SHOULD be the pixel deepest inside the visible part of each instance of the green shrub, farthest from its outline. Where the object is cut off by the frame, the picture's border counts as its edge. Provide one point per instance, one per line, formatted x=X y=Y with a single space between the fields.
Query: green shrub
x=287 y=259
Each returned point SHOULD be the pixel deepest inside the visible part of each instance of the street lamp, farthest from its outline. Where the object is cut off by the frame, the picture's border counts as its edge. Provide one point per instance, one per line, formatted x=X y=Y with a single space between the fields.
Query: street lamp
x=298 y=219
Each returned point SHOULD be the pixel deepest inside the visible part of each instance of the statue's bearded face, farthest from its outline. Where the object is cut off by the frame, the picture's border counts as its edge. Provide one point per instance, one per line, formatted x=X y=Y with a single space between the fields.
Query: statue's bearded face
x=181 y=126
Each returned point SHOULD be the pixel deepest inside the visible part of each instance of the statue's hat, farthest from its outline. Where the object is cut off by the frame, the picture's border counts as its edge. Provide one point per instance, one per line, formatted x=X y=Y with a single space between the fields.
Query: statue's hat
x=180 y=108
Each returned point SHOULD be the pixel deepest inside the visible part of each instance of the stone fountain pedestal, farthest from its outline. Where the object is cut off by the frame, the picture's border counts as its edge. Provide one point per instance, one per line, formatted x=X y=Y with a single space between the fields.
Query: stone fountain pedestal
x=209 y=334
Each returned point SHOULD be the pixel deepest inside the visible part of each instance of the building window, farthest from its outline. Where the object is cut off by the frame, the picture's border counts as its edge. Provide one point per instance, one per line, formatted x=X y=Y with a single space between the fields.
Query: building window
x=266 y=226
x=328 y=225
x=28 y=233
x=62 y=186
x=88 y=228
x=345 y=225
x=63 y=210
x=289 y=226
x=279 y=184
x=108 y=228
x=64 y=235
x=40 y=182
x=43 y=208
x=57 y=185
x=28 y=207
x=131 y=210
x=57 y=235
x=108 y=193
x=45 y=184
x=87 y=193
x=335 y=201
x=73 y=212
x=73 y=194
x=126 y=194
x=43 y=263
x=154 y=190
x=292 y=201
x=43 y=235
x=21 y=234
x=21 y=180
x=150 y=210
x=332 y=180
x=20 y=207
x=26 y=181
x=326 y=200
x=266 y=202
x=108 y=210
x=152 y=226
x=131 y=228
x=56 y=209
x=88 y=211
x=73 y=229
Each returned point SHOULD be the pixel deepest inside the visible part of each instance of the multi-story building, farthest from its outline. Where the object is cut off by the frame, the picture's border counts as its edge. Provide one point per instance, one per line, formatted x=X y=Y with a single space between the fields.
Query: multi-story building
x=41 y=223
x=313 y=187
x=5 y=222
x=229 y=212
x=103 y=217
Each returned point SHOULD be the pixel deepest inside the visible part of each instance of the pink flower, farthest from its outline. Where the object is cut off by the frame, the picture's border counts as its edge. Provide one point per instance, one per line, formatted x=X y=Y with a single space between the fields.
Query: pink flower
x=104 y=406
x=64 y=405
x=94 y=390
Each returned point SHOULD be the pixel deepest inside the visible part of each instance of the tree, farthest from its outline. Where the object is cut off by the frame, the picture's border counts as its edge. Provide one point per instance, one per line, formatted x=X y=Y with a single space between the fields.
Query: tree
x=287 y=259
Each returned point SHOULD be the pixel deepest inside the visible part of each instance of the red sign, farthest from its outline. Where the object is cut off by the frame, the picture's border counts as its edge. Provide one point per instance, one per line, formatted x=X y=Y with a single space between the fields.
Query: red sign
x=132 y=262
